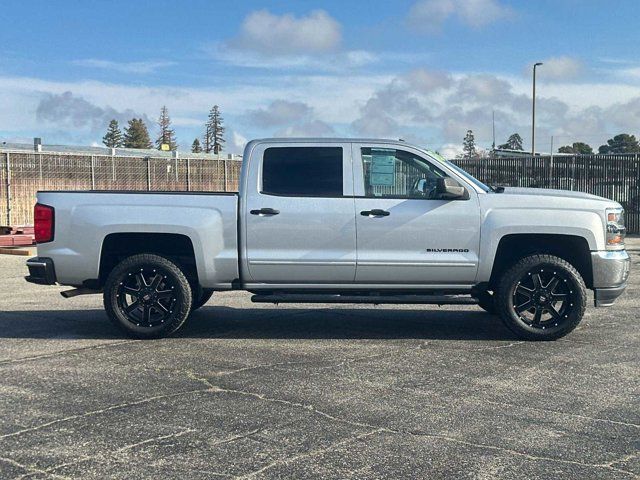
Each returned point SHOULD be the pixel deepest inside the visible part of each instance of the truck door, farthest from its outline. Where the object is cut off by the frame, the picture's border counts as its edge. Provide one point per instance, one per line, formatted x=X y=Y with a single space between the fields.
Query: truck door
x=405 y=233
x=298 y=213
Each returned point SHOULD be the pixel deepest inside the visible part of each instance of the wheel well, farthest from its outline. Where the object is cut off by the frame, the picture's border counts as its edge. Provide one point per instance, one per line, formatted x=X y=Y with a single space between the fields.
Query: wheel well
x=118 y=246
x=571 y=248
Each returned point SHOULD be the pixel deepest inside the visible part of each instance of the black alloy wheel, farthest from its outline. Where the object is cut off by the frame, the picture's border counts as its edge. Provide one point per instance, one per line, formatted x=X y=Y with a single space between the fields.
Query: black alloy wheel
x=148 y=296
x=541 y=297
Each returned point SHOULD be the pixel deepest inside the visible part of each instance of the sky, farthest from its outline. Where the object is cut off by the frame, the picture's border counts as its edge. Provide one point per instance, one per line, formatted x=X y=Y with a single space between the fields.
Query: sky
x=422 y=70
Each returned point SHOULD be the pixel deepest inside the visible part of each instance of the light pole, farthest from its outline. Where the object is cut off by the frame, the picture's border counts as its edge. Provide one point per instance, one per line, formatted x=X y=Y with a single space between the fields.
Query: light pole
x=533 y=115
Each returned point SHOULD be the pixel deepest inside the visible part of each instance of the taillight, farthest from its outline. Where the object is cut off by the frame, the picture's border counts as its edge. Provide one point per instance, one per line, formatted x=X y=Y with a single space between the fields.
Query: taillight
x=43 y=223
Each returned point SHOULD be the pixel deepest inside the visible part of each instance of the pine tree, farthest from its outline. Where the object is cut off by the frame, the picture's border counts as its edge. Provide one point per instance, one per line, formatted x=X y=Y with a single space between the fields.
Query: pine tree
x=196 y=147
x=113 y=137
x=136 y=134
x=514 y=142
x=207 y=140
x=167 y=134
x=214 y=131
x=469 y=145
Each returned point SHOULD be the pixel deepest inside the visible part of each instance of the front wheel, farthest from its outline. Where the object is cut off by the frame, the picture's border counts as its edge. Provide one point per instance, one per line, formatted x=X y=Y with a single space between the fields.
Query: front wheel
x=541 y=297
x=147 y=296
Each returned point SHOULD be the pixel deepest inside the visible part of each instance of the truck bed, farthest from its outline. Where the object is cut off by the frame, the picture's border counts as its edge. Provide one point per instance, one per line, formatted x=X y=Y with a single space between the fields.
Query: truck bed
x=83 y=219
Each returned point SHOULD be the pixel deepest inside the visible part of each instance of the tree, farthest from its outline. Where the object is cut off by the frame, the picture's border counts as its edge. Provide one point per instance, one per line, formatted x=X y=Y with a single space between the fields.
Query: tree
x=578 y=148
x=167 y=134
x=214 y=131
x=469 y=145
x=196 y=147
x=136 y=134
x=514 y=142
x=622 y=143
x=113 y=137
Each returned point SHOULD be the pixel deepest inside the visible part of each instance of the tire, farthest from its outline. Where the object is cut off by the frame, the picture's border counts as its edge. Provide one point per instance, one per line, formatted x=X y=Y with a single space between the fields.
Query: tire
x=486 y=301
x=166 y=303
x=553 y=290
x=203 y=296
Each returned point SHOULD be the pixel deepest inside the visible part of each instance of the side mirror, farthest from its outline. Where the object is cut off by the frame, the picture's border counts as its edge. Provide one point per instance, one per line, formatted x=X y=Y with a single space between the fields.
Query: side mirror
x=448 y=189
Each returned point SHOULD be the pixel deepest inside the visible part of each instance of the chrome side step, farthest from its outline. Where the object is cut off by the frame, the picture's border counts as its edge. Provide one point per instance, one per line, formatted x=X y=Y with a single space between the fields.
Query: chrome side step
x=370 y=299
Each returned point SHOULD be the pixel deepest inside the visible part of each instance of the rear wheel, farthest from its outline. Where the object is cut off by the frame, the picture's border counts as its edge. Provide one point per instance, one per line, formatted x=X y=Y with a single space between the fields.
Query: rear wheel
x=147 y=296
x=541 y=297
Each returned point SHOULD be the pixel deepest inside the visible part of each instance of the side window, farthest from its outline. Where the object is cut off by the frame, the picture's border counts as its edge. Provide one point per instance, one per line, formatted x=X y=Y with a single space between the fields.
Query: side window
x=396 y=173
x=302 y=171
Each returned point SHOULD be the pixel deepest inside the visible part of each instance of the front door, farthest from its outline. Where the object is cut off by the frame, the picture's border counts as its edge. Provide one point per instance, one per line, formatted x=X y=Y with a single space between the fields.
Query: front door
x=406 y=235
x=299 y=214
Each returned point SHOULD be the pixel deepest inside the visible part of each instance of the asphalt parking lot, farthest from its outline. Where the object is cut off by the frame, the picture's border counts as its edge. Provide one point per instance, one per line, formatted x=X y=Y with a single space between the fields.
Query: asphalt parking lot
x=353 y=392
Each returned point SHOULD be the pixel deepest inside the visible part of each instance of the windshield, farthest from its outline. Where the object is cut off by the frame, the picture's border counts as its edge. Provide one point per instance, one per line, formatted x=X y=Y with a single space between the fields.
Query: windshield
x=466 y=175
x=469 y=177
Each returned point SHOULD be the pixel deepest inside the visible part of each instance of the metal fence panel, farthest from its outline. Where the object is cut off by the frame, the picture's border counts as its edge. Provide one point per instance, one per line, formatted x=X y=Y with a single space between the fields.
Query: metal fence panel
x=611 y=176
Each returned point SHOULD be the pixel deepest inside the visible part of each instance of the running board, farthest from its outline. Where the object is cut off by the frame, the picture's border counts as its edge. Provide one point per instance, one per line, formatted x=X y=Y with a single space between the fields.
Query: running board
x=372 y=299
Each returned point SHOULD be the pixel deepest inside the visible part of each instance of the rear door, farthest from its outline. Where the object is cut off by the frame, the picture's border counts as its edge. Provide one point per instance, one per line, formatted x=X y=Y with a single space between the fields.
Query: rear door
x=299 y=214
x=405 y=235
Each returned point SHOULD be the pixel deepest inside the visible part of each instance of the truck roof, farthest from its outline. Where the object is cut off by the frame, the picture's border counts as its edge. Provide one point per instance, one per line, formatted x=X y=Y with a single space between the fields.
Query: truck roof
x=332 y=140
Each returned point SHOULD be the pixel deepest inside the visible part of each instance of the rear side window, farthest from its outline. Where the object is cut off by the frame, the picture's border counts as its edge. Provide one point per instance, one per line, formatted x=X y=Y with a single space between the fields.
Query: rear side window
x=302 y=171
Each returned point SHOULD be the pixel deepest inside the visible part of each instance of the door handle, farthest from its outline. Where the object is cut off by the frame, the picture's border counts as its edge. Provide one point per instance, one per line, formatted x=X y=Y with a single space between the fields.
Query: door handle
x=265 y=211
x=376 y=212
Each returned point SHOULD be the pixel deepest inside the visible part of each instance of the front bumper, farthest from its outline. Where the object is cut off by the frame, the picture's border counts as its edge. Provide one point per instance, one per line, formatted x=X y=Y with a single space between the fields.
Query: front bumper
x=41 y=271
x=610 y=274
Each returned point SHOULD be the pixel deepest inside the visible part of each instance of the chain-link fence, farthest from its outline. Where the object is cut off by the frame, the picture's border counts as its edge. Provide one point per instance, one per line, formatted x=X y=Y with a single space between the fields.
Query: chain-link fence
x=22 y=174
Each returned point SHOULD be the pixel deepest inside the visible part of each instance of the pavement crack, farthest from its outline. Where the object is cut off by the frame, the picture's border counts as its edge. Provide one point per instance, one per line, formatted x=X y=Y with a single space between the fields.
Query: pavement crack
x=312 y=453
x=556 y=412
x=100 y=411
x=63 y=353
x=623 y=459
x=341 y=363
x=510 y=451
x=31 y=470
x=153 y=440
x=308 y=407
x=447 y=438
x=119 y=450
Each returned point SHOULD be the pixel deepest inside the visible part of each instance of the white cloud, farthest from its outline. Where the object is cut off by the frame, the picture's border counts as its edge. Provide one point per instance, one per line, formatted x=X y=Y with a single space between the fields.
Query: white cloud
x=279 y=112
x=466 y=101
x=270 y=34
x=72 y=111
x=329 y=61
x=238 y=142
x=311 y=128
x=295 y=119
x=124 y=67
x=559 y=68
x=450 y=150
x=427 y=106
x=430 y=15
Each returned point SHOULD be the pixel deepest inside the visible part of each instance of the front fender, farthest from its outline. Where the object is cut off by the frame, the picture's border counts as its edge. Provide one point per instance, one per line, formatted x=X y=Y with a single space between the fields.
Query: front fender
x=498 y=223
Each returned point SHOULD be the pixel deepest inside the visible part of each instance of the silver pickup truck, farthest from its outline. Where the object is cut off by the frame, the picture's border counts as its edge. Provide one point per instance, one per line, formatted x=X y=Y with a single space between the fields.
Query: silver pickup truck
x=337 y=221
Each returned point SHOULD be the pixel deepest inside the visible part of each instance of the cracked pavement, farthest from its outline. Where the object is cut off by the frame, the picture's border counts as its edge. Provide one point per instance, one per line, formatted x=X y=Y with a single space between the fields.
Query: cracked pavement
x=351 y=392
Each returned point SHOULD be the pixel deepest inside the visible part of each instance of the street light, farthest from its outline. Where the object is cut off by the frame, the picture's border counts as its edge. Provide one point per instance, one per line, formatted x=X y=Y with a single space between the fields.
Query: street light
x=533 y=116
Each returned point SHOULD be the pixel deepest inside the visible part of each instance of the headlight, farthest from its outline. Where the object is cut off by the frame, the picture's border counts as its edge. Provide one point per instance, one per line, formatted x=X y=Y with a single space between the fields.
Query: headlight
x=615 y=231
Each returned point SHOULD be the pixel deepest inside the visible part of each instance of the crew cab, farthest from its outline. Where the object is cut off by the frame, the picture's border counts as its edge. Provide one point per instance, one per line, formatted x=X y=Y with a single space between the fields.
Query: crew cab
x=337 y=221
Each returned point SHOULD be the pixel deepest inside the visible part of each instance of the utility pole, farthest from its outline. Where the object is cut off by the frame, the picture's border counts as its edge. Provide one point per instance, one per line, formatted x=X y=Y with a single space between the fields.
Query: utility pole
x=493 y=123
x=533 y=115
